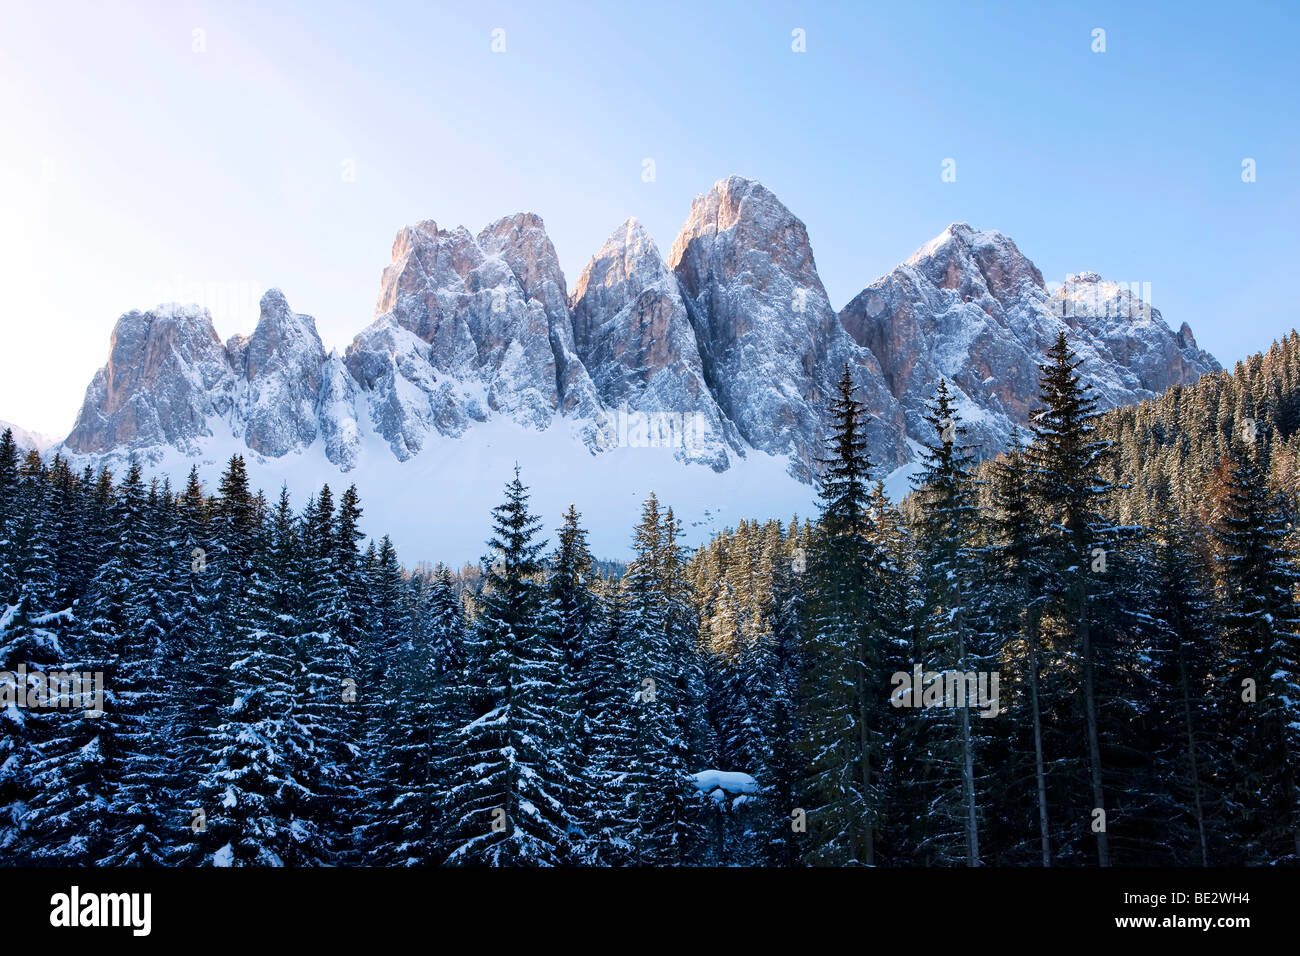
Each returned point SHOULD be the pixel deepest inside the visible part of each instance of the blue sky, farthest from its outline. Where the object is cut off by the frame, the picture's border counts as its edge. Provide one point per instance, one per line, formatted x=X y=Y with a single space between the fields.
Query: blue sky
x=136 y=168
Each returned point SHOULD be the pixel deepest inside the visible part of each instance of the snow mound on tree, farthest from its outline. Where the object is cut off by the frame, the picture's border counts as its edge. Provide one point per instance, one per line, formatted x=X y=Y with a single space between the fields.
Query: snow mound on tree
x=728 y=781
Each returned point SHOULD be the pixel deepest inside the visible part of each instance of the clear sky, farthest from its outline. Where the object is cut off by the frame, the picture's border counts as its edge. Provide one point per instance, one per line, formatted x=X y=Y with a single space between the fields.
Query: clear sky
x=143 y=161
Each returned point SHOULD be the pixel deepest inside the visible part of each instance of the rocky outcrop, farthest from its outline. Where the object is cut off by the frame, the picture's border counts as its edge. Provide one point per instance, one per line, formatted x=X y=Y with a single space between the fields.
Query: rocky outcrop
x=167 y=378
x=632 y=332
x=1129 y=335
x=170 y=382
x=280 y=370
x=969 y=307
x=772 y=346
x=466 y=328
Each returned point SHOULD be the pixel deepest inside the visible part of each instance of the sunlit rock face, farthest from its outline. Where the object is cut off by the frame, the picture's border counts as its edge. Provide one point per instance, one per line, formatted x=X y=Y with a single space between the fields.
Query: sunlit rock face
x=969 y=307
x=467 y=328
x=167 y=376
x=772 y=346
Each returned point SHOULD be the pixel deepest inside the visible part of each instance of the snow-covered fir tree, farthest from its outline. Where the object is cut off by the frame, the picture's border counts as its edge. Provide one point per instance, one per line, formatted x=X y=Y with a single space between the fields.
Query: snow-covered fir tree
x=506 y=801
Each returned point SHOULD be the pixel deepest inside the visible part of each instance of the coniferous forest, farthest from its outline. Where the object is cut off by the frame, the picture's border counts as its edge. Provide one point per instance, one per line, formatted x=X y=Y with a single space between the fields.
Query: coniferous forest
x=1121 y=589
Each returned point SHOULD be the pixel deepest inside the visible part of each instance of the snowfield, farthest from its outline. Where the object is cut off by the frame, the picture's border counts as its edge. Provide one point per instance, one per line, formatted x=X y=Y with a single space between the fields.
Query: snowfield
x=436 y=506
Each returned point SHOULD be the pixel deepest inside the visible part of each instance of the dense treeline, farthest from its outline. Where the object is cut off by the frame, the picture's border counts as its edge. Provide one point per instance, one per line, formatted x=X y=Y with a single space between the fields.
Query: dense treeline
x=1120 y=589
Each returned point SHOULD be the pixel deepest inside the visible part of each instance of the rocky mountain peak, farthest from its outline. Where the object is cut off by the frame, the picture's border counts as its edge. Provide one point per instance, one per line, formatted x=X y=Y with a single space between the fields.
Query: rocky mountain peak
x=633 y=333
x=739 y=219
x=281 y=369
x=627 y=264
x=770 y=342
x=280 y=333
x=628 y=248
x=468 y=327
x=521 y=240
x=973 y=263
x=969 y=307
x=166 y=373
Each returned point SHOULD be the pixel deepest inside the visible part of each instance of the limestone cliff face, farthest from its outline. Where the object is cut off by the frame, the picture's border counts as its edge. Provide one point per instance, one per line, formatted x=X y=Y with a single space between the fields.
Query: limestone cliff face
x=167 y=377
x=633 y=333
x=968 y=306
x=467 y=328
x=280 y=370
x=169 y=382
x=772 y=346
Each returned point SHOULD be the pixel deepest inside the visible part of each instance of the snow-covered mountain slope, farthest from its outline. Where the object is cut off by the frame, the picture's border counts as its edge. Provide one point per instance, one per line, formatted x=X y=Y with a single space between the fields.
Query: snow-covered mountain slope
x=436 y=505
x=970 y=307
x=27 y=440
x=705 y=377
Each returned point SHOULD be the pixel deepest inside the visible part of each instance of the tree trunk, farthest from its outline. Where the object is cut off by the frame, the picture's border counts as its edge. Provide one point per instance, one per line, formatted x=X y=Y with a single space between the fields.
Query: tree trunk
x=1040 y=775
x=864 y=760
x=1191 y=749
x=1090 y=706
x=968 y=767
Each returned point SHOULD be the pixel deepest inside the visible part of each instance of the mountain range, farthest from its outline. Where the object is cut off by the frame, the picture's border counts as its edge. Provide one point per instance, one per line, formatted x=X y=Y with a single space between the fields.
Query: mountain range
x=707 y=373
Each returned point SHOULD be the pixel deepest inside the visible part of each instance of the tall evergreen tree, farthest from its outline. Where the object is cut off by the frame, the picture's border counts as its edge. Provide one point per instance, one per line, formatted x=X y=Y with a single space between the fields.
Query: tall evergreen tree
x=1019 y=568
x=579 y=625
x=416 y=747
x=952 y=639
x=1069 y=492
x=608 y=683
x=506 y=797
x=665 y=680
x=1260 y=647
x=842 y=687
x=263 y=797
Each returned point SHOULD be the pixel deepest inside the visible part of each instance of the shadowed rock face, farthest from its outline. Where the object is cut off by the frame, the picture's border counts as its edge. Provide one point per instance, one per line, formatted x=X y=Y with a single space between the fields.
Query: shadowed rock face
x=968 y=306
x=281 y=367
x=633 y=334
x=467 y=327
x=521 y=241
x=733 y=333
x=772 y=346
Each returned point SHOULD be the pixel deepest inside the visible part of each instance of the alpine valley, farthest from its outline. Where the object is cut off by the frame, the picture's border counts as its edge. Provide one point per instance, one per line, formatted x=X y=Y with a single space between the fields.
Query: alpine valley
x=705 y=376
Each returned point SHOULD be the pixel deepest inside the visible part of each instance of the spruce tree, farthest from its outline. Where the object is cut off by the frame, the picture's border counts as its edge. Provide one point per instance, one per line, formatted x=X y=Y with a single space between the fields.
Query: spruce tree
x=608 y=684
x=1020 y=607
x=841 y=686
x=664 y=680
x=505 y=799
x=426 y=683
x=578 y=621
x=262 y=797
x=1260 y=663
x=1069 y=492
x=128 y=624
x=952 y=638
